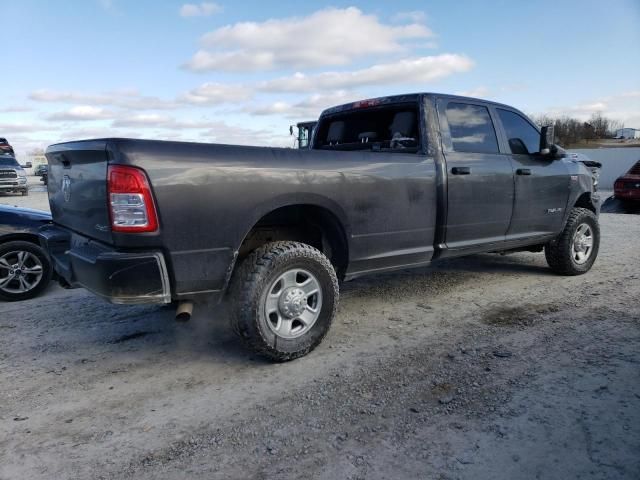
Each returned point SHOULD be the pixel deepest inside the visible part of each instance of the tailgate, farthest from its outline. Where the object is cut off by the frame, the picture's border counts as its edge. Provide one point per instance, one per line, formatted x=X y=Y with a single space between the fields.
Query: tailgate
x=78 y=187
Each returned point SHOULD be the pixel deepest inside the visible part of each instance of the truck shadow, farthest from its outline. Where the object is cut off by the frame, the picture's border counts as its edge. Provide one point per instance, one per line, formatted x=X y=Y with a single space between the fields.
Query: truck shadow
x=615 y=205
x=143 y=334
x=447 y=275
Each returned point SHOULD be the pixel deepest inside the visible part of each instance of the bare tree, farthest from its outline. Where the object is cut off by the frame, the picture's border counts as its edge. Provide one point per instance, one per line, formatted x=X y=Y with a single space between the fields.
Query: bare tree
x=571 y=131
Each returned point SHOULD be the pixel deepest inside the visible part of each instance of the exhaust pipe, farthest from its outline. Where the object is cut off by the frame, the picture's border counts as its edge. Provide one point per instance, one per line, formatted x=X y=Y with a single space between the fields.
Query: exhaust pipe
x=184 y=311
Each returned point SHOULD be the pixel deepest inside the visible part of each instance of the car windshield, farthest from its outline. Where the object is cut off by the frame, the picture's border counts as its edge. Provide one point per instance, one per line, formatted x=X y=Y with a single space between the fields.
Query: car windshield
x=8 y=162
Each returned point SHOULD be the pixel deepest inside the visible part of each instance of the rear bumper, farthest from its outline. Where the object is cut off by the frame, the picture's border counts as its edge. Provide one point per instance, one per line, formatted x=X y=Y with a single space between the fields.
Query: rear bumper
x=627 y=194
x=119 y=277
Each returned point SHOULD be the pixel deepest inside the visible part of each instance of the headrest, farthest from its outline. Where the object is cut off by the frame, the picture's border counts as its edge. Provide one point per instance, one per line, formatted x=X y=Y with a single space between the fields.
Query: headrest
x=336 y=132
x=403 y=123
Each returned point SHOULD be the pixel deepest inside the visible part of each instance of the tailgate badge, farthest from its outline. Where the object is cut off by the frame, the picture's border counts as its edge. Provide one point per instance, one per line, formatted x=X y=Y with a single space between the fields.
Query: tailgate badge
x=66 y=187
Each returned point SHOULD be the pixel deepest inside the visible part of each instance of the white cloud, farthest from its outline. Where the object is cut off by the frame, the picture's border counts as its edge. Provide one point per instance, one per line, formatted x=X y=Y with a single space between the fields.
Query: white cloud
x=221 y=132
x=589 y=107
x=142 y=120
x=413 y=70
x=206 y=94
x=81 y=113
x=204 y=9
x=45 y=95
x=415 y=16
x=216 y=93
x=15 y=109
x=308 y=108
x=218 y=131
x=624 y=107
x=478 y=92
x=128 y=99
x=331 y=36
x=9 y=128
x=156 y=121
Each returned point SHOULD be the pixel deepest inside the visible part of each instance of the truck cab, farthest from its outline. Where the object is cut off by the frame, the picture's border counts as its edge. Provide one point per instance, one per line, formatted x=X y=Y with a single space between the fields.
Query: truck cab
x=502 y=182
x=303 y=132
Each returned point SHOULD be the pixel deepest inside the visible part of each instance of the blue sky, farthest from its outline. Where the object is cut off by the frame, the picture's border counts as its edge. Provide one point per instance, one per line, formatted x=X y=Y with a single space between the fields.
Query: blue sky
x=241 y=72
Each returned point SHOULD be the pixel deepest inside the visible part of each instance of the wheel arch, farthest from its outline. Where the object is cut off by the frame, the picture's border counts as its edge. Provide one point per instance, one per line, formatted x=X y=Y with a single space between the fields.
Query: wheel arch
x=20 y=237
x=585 y=201
x=320 y=224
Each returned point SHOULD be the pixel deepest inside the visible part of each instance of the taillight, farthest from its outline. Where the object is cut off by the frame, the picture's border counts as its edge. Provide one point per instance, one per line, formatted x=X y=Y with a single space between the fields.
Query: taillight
x=130 y=201
x=618 y=185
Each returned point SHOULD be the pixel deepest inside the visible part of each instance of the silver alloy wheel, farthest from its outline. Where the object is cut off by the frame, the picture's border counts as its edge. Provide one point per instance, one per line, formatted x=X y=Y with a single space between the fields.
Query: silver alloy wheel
x=20 y=272
x=582 y=244
x=293 y=303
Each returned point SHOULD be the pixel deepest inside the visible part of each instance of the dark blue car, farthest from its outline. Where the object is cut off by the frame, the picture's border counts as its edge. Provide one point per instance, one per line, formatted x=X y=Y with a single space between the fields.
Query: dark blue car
x=25 y=269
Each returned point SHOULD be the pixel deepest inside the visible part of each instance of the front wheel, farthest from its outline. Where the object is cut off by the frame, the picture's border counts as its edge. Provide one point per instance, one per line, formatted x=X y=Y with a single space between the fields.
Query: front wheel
x=576 y=248
x=284 y=297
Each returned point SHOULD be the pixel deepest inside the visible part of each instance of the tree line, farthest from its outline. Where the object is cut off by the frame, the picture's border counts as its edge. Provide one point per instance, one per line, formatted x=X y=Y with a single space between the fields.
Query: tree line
x=571 y=131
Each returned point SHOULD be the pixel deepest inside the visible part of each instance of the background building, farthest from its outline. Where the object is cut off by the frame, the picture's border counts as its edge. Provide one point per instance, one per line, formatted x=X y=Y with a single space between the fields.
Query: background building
x=627 y=133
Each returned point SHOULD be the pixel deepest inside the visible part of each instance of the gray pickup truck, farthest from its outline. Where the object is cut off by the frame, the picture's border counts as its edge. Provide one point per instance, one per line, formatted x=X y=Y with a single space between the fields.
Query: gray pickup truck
x=388 y=183
x=13 y=178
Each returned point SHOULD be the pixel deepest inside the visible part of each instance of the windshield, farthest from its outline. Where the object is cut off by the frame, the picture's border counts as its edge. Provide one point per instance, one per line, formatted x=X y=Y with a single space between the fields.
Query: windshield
x=388 y=128
x=8 y=162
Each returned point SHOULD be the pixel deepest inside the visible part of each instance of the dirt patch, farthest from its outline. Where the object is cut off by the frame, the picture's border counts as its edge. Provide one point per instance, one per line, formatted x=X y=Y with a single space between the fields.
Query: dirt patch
x=131 y=336
x=521 y=316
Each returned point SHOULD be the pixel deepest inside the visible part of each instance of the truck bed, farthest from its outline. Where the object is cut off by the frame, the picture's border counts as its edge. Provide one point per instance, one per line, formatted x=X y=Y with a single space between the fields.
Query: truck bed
x=209 y=196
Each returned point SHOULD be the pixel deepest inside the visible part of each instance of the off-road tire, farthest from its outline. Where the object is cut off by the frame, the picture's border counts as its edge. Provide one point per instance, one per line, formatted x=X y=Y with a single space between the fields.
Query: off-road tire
x=559 y=252
x=249 y=286
x=47 y=270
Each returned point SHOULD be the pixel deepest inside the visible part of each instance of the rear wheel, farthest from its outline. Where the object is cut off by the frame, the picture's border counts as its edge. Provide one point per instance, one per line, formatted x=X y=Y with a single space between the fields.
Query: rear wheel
x=25 y=270
x=284 y=298
x=575 y=250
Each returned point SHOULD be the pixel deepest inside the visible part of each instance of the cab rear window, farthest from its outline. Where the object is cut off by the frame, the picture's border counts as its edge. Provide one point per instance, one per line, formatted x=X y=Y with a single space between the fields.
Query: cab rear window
x=392 y=128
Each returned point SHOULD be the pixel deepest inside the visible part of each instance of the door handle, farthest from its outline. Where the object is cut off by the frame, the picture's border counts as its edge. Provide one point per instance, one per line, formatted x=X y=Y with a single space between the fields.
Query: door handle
x=461 y=170
x=523 y=171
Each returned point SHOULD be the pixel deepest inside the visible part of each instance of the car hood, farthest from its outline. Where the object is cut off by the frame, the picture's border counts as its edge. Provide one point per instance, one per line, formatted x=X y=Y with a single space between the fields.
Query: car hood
x=27 y=212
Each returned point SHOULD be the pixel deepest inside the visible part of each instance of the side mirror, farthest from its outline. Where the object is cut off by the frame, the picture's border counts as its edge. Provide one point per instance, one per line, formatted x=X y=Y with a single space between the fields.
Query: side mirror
x=547 y=138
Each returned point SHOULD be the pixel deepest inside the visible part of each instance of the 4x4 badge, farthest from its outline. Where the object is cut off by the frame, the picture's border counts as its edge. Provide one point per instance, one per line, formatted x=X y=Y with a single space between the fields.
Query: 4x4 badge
x=66 y=187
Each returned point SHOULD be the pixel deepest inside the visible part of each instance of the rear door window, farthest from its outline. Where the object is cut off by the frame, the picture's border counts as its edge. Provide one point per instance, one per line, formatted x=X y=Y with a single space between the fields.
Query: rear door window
x=471 y=128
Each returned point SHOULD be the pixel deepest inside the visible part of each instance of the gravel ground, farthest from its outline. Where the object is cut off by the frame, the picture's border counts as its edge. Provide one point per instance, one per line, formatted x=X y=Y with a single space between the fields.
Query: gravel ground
x=483 y=367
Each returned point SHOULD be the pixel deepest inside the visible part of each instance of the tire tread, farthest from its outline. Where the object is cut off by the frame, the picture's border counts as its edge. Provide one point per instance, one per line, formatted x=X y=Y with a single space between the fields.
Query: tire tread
x=250 y=278
x=556 y=251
